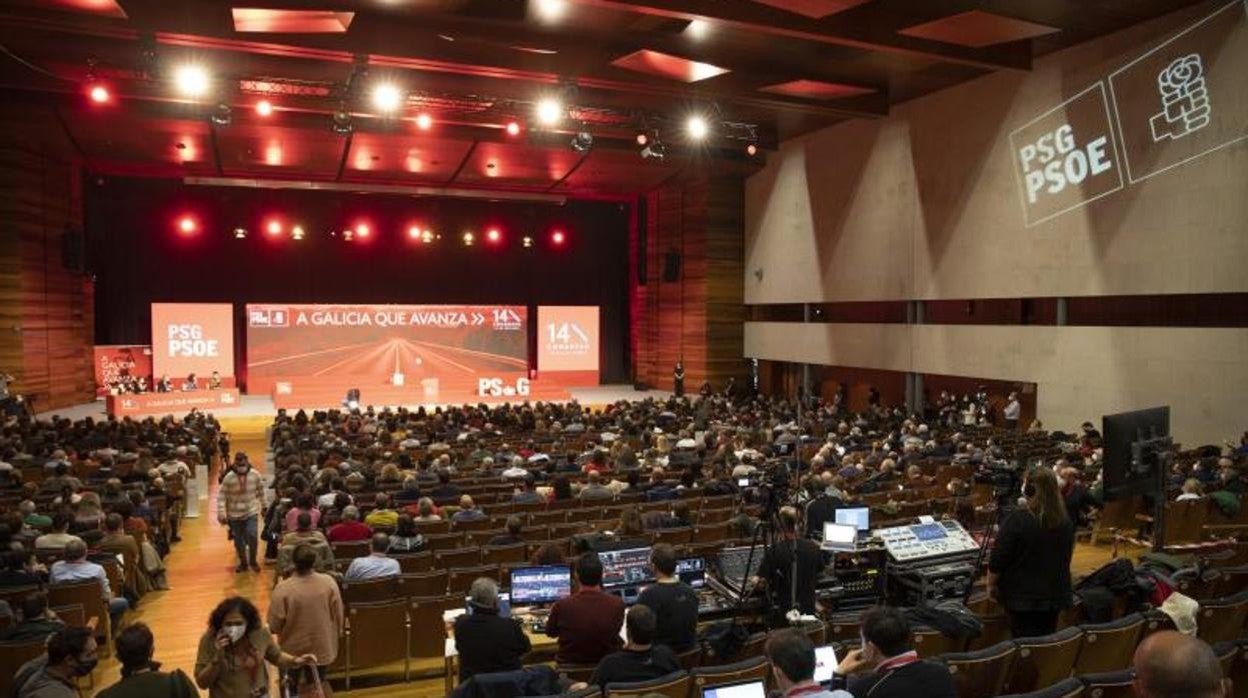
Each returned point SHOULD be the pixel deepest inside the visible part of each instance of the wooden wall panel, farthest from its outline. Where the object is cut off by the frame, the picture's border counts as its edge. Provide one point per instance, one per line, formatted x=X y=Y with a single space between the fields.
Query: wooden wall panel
x=46 y=311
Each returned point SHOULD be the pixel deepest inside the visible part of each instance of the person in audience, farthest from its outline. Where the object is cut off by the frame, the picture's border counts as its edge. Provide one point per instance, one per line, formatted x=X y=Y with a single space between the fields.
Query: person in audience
x=304 y=535
x=595 y=489
x=1029 y=569
x=240 y=499
x=561 y=489
x=376 y=565
x=1192 y=489
x=792 y=659
x=548 y=554
x=775 y=570
x=21 y=569
x=1012 y=410
x=37 y=623
x=350 y=529
x=234 y=653
x=382 y=516
x=305 y=503
x=630 y=525
x=485 y=641
x=406 y=539
x=468 y=511
x=426 y=511
x=512 y=536
x=306 y=612
x=117 y=542
x=528 y=494
x=445 y=489
x=675 y=604
x=587 y=623
x=409 y=494
x=887 y=666
x=1078 y=500
x=642 y=658
x=31 y=516
x=141 y=677
x=60 y=535
x=76 y=568
x=1169 y=664
x=71 y=655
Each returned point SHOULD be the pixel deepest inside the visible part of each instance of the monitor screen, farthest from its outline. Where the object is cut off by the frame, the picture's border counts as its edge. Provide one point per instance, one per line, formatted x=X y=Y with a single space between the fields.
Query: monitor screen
x=536 y=585
x=625 y=567
x=751 y=689
x=825 y=663
x=504 y=605
x=843 y=534
x=932 y=531
x=691 y=571
x=858 y=516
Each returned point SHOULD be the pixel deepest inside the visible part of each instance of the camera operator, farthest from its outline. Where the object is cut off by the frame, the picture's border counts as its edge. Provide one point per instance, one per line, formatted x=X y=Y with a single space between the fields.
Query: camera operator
x=776 y=569
x=1029 y=570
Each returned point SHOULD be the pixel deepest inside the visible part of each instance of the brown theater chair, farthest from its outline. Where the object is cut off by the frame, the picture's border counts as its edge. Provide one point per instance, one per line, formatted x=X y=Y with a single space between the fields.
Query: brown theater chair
x=74 y=616
x=929 y=642
x=845 y=627
x=577 y=673
x=422 y=584
x=1109 y=646
x=349 y=550
x=996 y=628
x=710 y=532
x=674 y=685
x=673 y=536
x=689 y=658
x=1044 y=661
x=13 y=655
x=370 y=590
x=461 y=578
x=1227 y=654
x=547 y=518
x=373 y=632
x=443 y=541
x=1154 y=622
x=815 y=631
x=1070 y=688
x=1221 y=620
x=414 y=562
x=478 y=525
x=753 y=669
x=1231 y=580
x=426 y=638
x=714 y=516
x=433 y=528
x=13 y=596
x=567 y=530
x=498 y=554
x=981 y=674
x=88 y=595
x=478 y=539
x=753 y=647
x=458 y=557
x=1109 y=684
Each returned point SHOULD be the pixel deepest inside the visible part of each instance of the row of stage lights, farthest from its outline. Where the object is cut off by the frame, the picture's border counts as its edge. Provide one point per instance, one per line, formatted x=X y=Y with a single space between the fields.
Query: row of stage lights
x=193 y=81
x=189 y=226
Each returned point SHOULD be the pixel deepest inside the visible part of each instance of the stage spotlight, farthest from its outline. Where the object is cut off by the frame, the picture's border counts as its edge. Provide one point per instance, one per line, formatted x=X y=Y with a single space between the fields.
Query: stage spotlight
x=551 y=10
x=187 y=225
x=99 y=94
x=362 y=230
x=527 y=241
x=413 y=232
x=274 y=227
x=424 y=122
x=583 y=141
x=342 y=123
x=427 y=236
x=549 y=111
x=513 y=128
x=558 y=237
x=751 y=150
x=296 y=233
x=642 y=138
x=348 y=235
x=222 y=114
x=240 y=233
x=387 y=97
x=191 y=80
x=697 y=128
x=655 y=151
x=264 y=108
x=494 y=235
x=469 y=238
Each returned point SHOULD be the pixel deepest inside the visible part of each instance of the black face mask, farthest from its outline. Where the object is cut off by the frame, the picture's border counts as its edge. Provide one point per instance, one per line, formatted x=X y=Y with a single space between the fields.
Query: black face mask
x=85 y=667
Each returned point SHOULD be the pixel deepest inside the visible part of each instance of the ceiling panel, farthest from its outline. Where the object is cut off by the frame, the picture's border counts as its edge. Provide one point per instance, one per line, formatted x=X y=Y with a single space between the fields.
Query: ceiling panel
x=815 y=89
x=814 y=9
x=255 y=19
x=104 y=8
x=113 y=141
x=517 y=164
x=404 y=157
x=668 y=66
x=978 y=29
x=618 y=172
x=267 y=150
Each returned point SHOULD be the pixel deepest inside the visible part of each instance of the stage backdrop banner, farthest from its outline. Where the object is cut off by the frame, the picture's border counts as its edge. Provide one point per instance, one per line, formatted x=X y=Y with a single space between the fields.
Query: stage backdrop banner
x=567 y=343
x=114 y=362
x=439 y=351
x=192 y=338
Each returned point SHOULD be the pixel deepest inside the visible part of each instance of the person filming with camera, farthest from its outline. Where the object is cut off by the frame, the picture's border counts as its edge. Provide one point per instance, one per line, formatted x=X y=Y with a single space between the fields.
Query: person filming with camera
x=1029 y=569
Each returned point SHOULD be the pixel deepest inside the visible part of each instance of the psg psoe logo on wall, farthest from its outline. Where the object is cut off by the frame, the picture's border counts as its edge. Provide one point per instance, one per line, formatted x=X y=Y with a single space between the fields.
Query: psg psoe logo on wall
x=1066 y=157
x=1186 y=97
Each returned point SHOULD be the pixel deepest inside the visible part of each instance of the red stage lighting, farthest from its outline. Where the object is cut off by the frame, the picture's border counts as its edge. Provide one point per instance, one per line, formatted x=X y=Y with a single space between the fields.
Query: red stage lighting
x=274 y=227
x=493 y=235
x=99 y=94
x=362 y=230
x=264 y=108
x=424 y=122
x=187 y=225
x=558 y=237
x=751 y=150
x=413 y=232
x=513 y=128
x=642 y=138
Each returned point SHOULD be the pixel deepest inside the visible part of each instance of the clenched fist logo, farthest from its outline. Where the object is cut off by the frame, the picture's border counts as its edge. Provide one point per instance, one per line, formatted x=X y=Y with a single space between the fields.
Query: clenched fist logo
x=1184 y=99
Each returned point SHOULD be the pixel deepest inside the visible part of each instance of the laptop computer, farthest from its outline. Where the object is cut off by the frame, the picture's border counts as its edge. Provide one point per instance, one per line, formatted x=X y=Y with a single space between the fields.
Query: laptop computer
x=825 y=664
x=747 y=689
x=839 y=538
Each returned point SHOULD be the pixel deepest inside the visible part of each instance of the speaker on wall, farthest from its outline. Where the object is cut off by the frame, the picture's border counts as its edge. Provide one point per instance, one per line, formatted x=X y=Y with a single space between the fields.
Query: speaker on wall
x=671 y=266
x=642 y=226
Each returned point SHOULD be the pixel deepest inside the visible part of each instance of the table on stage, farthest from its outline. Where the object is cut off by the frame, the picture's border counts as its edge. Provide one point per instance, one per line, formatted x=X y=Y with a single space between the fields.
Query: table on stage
x=172 y=403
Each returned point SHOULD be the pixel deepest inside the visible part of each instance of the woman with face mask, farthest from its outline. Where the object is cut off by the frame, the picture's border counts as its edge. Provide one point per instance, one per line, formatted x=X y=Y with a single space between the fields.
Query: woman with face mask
x=234 y=650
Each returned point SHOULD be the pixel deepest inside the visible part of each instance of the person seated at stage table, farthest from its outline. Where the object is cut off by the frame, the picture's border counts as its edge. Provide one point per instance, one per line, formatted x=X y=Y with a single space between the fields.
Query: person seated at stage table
x=377 y=565
x=214 y=381
x=350 y=529
x=191 y=383
x=468 y=511
x=515 y=525
x=406 y=539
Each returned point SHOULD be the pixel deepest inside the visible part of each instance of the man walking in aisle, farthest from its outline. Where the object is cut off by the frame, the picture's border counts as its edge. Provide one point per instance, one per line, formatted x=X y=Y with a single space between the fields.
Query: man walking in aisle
x=239 y=502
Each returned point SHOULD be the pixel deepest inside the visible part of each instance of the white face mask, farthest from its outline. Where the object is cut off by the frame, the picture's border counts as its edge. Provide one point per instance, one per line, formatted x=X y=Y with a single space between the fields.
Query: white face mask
x=235 y=632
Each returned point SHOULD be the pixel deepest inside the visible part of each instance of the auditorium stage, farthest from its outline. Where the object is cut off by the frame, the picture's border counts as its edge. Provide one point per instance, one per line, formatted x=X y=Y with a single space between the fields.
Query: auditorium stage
x=262 y=405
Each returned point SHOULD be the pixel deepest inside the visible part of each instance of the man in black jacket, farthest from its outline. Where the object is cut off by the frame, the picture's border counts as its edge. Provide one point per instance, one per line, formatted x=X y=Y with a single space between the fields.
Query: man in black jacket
x=485 y=641
x=641 y=659
x=895 y=668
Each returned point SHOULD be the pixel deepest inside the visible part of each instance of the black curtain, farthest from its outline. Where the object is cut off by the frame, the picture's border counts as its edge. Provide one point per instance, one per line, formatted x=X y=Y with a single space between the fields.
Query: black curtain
x=141 y=256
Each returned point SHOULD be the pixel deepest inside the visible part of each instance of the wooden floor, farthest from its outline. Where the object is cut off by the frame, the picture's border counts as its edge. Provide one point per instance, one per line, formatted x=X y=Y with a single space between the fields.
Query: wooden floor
x=201 y=573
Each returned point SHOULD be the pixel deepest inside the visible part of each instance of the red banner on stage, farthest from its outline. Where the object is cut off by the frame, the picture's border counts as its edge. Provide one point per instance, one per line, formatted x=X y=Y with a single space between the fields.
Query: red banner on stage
x=446 y=348
x=192 y=338
x=178 y=403
x=117 y=364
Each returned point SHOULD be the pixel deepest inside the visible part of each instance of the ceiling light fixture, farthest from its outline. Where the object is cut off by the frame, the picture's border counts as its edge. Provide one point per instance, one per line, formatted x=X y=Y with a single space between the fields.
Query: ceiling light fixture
x=513 y=128
x=387 y=98
x=424 y=122
x=296 y=233
x=697 y=128
x=549 y=111
x=551 y=10
x=264 y=108
x=191 y=80
x=583 y=142
x=642 y=138
x=751 y=150
x=222 y=114
x=469 y=238
x=99 y=94
x=240 y=233
x=655 y=150
x=342 y=124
